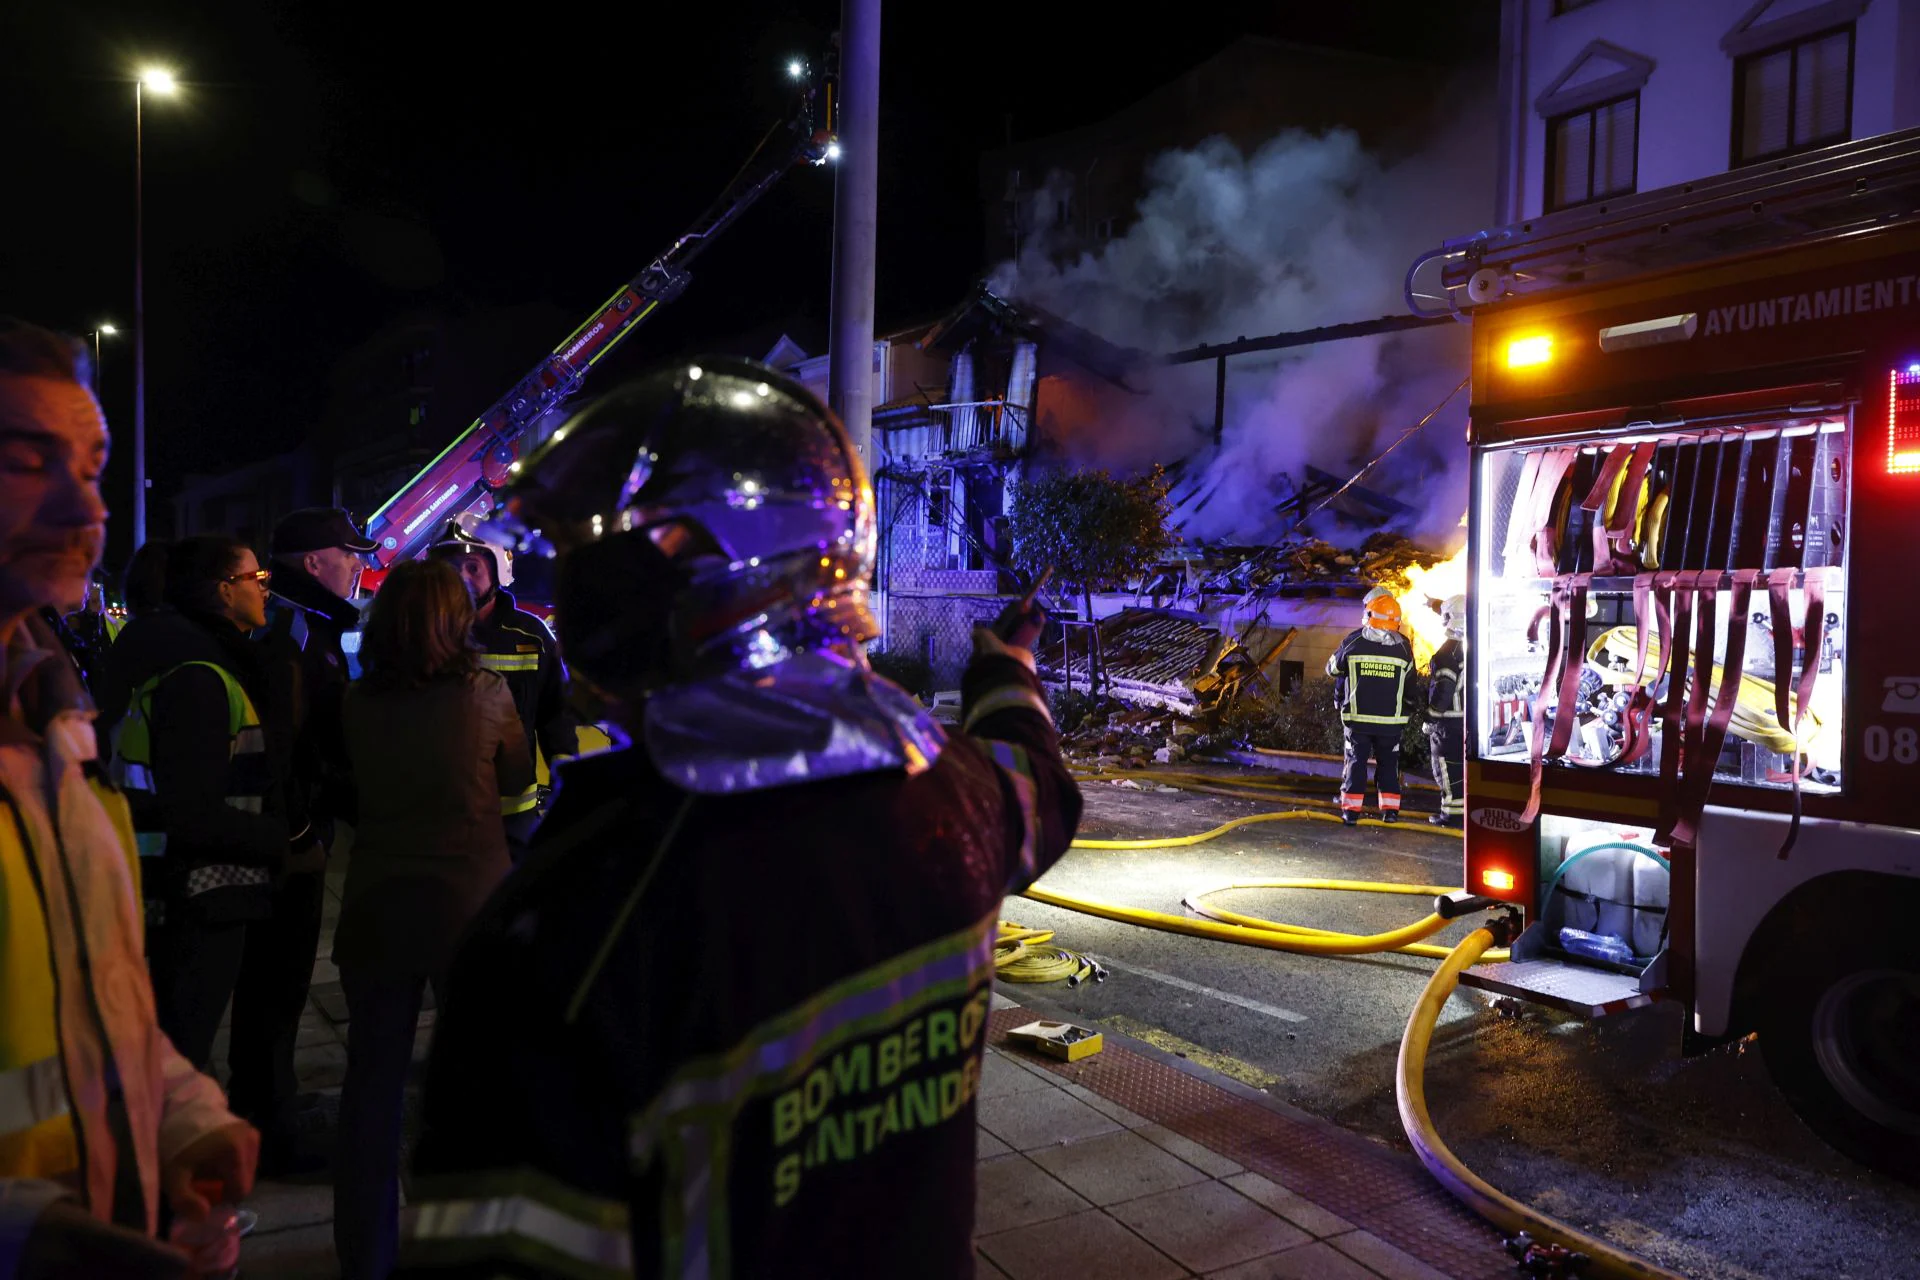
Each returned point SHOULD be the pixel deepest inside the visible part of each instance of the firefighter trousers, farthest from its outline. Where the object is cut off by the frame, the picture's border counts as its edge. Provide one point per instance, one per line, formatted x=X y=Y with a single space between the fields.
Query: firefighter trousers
x=1382 y=745
x=1447 y=739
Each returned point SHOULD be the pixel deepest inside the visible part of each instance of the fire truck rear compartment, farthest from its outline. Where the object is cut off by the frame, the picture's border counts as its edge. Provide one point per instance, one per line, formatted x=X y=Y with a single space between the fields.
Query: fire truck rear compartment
x=1602 y=880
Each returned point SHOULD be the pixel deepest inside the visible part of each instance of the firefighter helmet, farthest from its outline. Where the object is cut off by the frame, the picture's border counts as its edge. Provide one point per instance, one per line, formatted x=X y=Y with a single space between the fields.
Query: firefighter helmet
x=706 y=516
x=457 y=539
x=1453 y=616
x=1383 y=611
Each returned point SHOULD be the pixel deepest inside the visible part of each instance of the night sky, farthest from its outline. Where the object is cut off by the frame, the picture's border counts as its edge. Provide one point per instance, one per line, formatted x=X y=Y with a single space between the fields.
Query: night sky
x=330 y=166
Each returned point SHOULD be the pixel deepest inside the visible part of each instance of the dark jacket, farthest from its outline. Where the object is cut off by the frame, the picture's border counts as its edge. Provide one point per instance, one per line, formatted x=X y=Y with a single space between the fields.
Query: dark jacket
x=195 y=768
x=1446 y=682
x=432 y=765
x=303 y=638
x=795 y=986
x=1372 y=679
x=519 y=646
x=147 y=644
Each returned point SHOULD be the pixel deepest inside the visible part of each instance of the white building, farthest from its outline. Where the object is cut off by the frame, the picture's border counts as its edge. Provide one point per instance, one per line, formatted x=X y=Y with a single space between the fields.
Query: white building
x=1602 y=98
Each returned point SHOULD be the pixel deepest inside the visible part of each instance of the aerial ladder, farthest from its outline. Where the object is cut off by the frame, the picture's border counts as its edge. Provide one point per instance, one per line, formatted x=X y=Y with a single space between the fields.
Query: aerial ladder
x=462 y=480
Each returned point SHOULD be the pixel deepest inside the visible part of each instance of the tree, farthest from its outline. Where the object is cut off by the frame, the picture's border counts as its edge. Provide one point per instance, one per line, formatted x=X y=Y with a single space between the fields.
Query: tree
x=1095 y=531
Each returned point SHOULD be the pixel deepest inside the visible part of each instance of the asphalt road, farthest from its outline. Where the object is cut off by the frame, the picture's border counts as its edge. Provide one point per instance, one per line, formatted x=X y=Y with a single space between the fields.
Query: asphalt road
x=1696 y=1163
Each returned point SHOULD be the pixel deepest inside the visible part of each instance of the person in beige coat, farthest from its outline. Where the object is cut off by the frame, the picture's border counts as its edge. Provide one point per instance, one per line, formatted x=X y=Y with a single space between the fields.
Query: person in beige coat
x=434 y=741
x=104 y=1126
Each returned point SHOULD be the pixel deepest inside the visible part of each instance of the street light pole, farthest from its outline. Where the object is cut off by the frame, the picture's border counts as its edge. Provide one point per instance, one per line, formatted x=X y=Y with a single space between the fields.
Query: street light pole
x=139 y=334
x=161 y=81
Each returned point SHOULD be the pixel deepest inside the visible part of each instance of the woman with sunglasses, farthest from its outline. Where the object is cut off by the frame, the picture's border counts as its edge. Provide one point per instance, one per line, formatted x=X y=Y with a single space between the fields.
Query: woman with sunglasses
x=197 y=755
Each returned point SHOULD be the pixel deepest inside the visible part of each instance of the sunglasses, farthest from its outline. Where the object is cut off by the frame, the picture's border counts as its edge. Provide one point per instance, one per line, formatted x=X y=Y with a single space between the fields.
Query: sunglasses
x=261 y=576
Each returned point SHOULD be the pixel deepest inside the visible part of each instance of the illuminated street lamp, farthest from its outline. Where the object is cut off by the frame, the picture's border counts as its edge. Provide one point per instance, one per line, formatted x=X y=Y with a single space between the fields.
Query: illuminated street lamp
x=103 y=330
x=160 y=81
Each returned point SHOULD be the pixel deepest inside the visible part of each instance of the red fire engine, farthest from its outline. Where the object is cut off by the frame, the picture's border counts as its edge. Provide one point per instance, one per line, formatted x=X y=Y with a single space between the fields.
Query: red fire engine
x=1694 y=723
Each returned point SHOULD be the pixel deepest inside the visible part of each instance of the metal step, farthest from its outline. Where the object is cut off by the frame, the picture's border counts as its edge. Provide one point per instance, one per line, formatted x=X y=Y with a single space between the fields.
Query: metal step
x=1576 y=988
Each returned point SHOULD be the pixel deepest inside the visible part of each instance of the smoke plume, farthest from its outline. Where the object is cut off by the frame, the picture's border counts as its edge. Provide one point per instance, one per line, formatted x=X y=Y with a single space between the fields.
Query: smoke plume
x=1307 y=230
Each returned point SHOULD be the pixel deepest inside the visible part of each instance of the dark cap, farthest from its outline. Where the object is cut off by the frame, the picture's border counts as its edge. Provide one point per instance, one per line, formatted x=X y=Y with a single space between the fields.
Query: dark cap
x=316 y=529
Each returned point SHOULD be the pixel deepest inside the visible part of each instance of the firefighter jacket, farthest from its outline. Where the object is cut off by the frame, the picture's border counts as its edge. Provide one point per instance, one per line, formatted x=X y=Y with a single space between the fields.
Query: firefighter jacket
x=518 y=645
x=708 y=1034
x=303 y=642
x=1370 y=673
x=1447 y=682
x=77 y=1020
x=193 y=755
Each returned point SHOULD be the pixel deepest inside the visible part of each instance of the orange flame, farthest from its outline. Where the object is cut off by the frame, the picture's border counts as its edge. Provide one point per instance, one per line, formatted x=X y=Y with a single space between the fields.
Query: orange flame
x=1435 y=582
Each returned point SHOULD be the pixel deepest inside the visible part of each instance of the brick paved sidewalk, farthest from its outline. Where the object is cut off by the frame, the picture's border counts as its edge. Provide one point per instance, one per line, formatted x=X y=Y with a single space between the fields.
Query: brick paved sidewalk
x=1130 y=1164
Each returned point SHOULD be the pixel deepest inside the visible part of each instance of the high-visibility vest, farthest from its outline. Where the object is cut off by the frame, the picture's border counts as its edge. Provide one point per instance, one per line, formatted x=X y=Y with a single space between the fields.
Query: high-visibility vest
x=247 y=781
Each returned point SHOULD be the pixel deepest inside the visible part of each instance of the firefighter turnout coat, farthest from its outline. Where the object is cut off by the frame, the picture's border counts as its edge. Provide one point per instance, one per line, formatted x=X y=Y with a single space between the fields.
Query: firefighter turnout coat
x=738 y=1035
x=518 y=645
x=1371 y=671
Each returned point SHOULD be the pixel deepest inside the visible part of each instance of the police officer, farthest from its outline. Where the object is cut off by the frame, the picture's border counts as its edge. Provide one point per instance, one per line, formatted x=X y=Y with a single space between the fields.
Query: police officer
x=729 y=1015
x=1370 y=671
x=517 y=645
x=1446 y=713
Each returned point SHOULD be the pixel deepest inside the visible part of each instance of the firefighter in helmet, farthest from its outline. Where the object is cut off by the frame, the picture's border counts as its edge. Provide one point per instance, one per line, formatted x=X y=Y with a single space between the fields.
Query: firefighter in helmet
x=1447 y=712
x=736 y=996
x=517 y=645
x=1370 y=673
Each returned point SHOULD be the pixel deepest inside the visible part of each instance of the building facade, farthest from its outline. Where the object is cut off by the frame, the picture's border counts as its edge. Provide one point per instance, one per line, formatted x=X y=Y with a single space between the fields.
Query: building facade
x=1603 y=98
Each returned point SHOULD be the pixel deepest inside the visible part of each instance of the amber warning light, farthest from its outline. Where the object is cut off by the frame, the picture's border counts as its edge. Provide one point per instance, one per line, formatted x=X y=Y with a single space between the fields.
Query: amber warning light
x=1498 y=881
x=1529 y=352
x=1903 y=420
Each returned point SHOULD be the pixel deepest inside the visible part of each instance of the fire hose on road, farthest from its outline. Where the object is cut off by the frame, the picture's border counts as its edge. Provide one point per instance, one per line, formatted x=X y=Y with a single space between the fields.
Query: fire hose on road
x=1543 y=1245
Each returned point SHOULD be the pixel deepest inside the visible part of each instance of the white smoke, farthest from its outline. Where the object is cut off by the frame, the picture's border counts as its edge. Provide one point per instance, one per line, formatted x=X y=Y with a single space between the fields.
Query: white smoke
x=1308 y=230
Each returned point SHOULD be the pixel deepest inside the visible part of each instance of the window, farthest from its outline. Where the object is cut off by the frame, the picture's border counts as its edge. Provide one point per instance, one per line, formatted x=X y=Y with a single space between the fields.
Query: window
x=937 y=498
x=1593 y=153
x=1568 y=6
x=1793 y=97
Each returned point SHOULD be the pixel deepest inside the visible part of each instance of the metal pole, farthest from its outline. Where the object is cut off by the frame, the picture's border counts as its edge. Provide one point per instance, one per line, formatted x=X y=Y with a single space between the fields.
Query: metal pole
x=96 y=364
x=855 y=200
x=1219 y=400
x=139 y=343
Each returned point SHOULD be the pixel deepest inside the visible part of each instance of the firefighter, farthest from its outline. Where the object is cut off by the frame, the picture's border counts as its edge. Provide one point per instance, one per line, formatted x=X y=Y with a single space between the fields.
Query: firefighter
x=736 y=998
x=1447 y=712
x=517 y=645
x=1370 y=671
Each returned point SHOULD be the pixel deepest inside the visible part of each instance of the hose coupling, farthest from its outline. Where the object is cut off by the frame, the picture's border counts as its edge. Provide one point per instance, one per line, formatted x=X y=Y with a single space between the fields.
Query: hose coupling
x=1548 y=1261
x=1506 y=927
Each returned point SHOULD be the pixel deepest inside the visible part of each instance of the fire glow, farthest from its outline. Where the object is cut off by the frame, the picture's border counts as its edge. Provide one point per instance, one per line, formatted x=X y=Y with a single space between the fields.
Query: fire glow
x=1437 y=583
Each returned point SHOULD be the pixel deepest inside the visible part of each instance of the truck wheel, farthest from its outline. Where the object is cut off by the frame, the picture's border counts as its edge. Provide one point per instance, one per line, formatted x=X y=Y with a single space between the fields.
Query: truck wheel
x=1841 y=1038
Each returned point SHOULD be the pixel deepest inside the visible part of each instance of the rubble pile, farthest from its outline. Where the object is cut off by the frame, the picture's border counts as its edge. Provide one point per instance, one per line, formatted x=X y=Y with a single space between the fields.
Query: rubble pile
x=1111 y=734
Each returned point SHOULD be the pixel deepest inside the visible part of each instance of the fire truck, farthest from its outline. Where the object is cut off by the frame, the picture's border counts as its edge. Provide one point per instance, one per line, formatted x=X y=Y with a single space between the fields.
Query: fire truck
x=461 y=482
x=1693 y=730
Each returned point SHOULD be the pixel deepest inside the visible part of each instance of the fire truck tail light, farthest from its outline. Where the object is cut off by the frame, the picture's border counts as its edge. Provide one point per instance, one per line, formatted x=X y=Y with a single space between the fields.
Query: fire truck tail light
x=1529 y=352
x=1903 y=420
x=1498 y=881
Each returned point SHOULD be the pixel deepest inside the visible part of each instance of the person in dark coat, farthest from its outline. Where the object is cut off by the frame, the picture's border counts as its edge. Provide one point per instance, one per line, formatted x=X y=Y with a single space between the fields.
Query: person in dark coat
x=316 y=573
x=435 y=741
x=194 y=753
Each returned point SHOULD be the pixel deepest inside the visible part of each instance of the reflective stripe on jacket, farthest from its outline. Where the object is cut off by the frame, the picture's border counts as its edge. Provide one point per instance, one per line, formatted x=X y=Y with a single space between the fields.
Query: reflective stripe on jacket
x=1370 y=678
x=518 y=645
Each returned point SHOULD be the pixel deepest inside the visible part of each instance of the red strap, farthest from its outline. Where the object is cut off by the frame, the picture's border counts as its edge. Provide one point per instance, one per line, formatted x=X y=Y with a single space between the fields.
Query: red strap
x=1518 y=519
x=1812 y=643
x=1674 y=648
x=1549 y=682
x=1546 y=536
x=1611 y=461
x=1625 y=511
x=1571 y=591
x=1713 y=736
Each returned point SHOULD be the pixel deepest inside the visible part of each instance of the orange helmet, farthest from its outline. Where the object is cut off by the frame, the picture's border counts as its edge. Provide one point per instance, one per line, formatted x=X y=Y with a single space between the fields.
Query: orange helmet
x=1383 y=613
